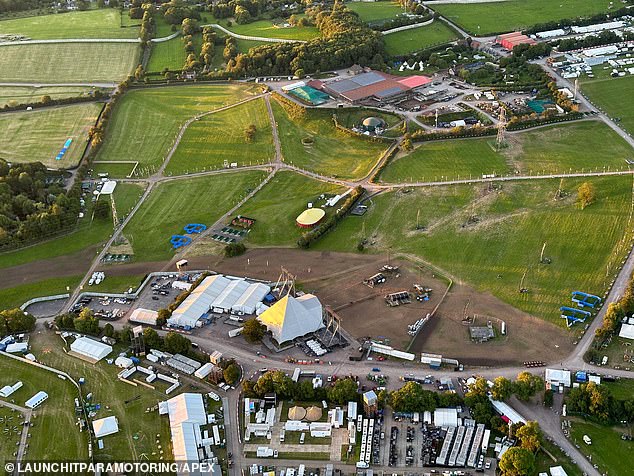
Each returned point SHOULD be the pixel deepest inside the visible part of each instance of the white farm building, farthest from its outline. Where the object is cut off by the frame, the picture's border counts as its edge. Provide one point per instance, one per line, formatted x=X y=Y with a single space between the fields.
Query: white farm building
x=90 y=349
x=293 y=317
x=220 y=294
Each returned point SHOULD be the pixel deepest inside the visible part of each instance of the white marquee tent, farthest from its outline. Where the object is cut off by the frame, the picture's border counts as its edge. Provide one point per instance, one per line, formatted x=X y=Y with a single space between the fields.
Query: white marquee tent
x=254 y=294
x=199 y=301
x=292 y=317
x=90 y=348
x=186 y=413
x=105 y=426
x=230 y=295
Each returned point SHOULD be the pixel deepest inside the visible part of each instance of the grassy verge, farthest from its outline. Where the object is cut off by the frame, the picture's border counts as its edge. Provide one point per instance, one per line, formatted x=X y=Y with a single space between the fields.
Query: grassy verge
x=416 y=39
x=16 y=296
x=613 y=95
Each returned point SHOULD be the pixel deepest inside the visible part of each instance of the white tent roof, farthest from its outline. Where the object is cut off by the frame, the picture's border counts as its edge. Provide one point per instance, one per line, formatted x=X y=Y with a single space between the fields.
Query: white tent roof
x=144 y=316
x=253 y=295
x=90 y=348
x=292 y=317
x=504 y=409
x=446 y=417
x=627 y=331
x=199 y=301
x=186 y=414
x=230 y=295
x=558 y=471
x=108 y=187
x=557 y=376
x=105 y=426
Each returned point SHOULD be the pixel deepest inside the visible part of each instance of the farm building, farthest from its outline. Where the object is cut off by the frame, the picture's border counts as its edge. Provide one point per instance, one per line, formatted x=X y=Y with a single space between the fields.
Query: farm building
x=105 y=426
x=374 y=86
x=89 y=349
x=186 y=414
x=293 y=317
x=511 y=40
x=144 y=316
x=310 y=217
x=220 y=294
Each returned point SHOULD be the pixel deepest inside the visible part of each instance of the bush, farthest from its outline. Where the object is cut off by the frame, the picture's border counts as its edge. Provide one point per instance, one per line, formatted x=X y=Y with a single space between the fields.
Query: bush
x=234 y=249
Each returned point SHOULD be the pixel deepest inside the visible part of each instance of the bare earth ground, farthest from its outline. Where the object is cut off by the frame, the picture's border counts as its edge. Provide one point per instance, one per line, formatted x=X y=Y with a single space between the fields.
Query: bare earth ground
x=337 y=279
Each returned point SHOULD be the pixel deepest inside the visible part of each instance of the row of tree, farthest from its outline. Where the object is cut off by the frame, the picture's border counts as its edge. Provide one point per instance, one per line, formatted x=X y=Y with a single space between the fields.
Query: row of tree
x=598 y=403
x=579 y=21
x=14 y=321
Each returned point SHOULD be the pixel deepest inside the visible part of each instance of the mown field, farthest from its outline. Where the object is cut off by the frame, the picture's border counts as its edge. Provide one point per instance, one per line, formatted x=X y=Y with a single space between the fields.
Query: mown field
x=332 y=153
x=267 y=29
x=145 y=122
x=562 y=148
x=374 y=11
x=607 y=449
x=174 y=204
x=102 y=23
x=220 y=137
x=18 y=295
x=489 y=18
x=168 y=54
x=278 y=204
x=416 y=39
x=14 y=95
x=126 y=196
x=490 y=238
x=38 y=135
x=614 y=96
x=68 y=62
x=55 y=418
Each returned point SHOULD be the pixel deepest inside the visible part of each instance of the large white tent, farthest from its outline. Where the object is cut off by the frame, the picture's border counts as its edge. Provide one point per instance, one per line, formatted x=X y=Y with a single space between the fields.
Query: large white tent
x=186 y=413
x=293 y=317
x=144 y=316
x=254 y=294
x=92 y=349
x=229 y=295
x=105 y=426
x=627 y=331
x=199 y=301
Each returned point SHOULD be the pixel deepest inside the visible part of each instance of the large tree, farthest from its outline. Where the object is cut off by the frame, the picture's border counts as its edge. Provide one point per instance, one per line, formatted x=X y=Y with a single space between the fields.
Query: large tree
x=502 y=388
x=530 y=436
x=517 y=462
x=253 y=330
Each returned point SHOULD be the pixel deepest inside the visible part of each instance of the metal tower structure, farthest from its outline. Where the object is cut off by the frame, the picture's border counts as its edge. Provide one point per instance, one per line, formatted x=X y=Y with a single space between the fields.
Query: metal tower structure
x=499 y=141
x=285 y=284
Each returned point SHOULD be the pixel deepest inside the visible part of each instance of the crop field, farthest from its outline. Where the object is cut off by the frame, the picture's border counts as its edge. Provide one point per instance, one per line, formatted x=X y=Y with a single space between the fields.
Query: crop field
x=39 y=135
x=138 y=430
x=614 y=96
x=145 y=122
x=489 y=238
x=14 y=95
x=416 y=39
x=218 y=138
x=68 y=63
x=55 y=418
x=607 y=448
x=102 y=23
x=488 y=18
x=275 y=224
x=563 y=148
x=174 y=204
x=374 y=11
x=332 y=152
x=267 y=29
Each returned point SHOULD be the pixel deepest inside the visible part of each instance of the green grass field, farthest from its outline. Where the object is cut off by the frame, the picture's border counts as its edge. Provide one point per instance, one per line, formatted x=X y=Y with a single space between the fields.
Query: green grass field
x=118 y=284
x=168 y=54
x=562 y=148
x=614 y=96
x=174 y=204
x=333 y=152
x=126 y=196
x=490 y=239
x=102 y=23
x=350 y=117
x=543 y=462
x=18 y=295
x=622 y=389
x=488 y=18
x=38 y=135
x=220 y=137
x=607 y=448
x=267 y=29
x=416 y=39
x=145 y=122
x=138 y=430
x=54 y=419
x=15 y=95
x=374 y=11
x=275 y=217
x=68 y=63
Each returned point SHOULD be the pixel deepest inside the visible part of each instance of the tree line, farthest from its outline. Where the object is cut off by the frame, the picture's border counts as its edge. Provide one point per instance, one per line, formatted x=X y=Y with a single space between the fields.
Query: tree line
x=15 y=321
x=33 y=204
x=597 y=403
